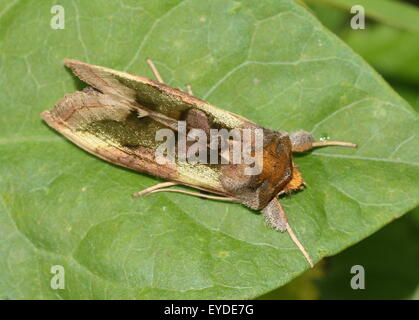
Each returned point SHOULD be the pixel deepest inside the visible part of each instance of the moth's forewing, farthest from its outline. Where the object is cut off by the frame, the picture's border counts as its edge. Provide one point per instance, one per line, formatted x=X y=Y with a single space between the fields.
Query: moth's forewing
x=110 y=129
x=105 y=127
x=152 y=94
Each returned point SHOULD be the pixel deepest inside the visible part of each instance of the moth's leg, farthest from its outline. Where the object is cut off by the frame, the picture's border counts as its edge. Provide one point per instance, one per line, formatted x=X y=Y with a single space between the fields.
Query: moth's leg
x=303 y=141
x=155 y=71
x=152 y=189
x=276 y=218
x=159 y=77
x=189 y=89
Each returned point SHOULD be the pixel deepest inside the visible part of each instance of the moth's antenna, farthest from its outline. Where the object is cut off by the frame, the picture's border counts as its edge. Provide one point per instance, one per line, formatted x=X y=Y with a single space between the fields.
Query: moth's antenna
x=196 y=194
x=162 y=187
x=152 y=188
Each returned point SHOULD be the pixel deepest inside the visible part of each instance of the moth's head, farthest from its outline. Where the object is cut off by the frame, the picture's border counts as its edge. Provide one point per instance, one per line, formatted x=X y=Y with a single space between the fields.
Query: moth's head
x=256 y=191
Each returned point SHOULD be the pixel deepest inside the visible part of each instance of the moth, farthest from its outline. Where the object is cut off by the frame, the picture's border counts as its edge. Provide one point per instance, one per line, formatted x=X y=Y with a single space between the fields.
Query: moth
x=118 y=115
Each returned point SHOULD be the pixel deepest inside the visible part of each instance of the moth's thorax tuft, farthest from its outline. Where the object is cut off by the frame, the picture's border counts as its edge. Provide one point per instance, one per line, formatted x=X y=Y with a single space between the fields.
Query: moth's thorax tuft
x=258 y=190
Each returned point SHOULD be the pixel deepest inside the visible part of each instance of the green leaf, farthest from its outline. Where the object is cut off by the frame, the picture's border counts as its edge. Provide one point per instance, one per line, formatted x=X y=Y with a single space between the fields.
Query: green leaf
x=393 y=13
x=270 y=61
x=393 y=52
